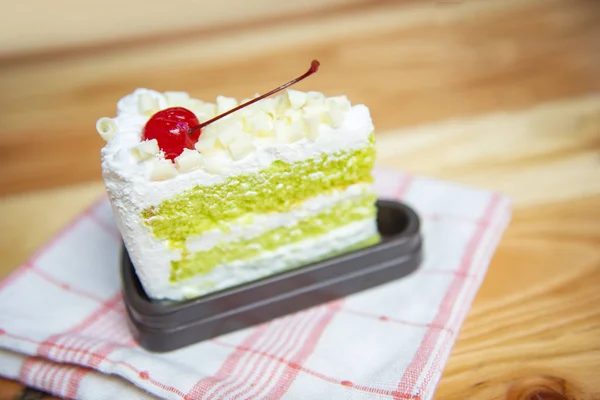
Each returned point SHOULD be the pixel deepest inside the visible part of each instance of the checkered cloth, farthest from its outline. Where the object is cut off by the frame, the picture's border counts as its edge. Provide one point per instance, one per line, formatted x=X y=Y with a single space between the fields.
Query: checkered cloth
x=63 y=327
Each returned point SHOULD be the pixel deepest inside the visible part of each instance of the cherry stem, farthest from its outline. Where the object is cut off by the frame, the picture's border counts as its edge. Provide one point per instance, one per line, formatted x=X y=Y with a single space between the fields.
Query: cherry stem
x=314 y=67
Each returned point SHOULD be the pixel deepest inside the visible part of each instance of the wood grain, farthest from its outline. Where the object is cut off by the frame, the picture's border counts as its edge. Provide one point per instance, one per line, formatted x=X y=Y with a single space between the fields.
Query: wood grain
x=501 y=95
x=411 y=63
x=101 y=22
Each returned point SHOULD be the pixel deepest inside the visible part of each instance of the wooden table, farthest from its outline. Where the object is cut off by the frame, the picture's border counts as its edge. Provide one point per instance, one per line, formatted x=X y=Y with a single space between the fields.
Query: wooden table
x=501 y=95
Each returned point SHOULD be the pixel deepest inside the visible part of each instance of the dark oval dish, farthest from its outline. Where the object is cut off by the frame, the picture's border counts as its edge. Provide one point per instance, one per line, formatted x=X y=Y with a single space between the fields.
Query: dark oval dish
x=168 y=325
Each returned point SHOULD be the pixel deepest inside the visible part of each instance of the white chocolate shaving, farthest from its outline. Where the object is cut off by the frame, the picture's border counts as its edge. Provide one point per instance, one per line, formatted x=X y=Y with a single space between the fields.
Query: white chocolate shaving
x=145 y=150
x=147 y=104
x=163 y=170
x=228 y=136
x=203 y=111
x=292 y=115
x=225 y=104
x=315 y=98
x=334 y=117
x=259 y=123
x=189 y=160
x=311 y=127
x=107 y=128
x=296 y=98
x=206 y=145
x=241 y=146
x=340 y=102
x=289 y=132
x=268 y=106
x=282 y=104
x=314 y=110
x=177 y=99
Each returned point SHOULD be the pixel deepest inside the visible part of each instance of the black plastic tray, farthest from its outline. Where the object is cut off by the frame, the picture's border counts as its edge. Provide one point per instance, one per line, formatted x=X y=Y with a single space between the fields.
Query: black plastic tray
x=168 y=325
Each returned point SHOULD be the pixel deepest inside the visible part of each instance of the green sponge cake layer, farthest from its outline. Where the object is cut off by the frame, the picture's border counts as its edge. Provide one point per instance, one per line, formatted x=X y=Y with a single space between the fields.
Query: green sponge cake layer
x=277 y=188
x=343 y=213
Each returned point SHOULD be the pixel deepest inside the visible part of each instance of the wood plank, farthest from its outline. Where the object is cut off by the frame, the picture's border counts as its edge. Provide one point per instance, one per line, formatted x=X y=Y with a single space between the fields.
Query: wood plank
x=99 y=22
x=408 y=64
x=534 y=328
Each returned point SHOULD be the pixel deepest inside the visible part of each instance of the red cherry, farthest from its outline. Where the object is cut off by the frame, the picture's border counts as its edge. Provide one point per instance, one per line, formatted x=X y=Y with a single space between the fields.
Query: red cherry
x=171 y=127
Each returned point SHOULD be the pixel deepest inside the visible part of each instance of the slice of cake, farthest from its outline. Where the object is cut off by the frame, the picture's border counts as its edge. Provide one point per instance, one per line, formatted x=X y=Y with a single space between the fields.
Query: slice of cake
x=211 y=195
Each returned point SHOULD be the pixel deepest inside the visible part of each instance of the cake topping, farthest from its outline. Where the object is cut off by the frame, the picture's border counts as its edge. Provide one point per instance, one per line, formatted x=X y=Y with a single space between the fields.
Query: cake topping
x=171 y=128
x=189 y=160
x=163 y=170
x=190 y=134
x=241 y=146
x=106 y=127
x=296 y=98
x=178 y=99
x=145 y=150
x=259 y=123
x=207 y=146
x=314 y=67
x=147 y=104
x=177 y=128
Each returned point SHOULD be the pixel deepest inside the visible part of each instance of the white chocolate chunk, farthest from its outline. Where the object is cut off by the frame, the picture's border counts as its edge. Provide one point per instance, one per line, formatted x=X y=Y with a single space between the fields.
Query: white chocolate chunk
x=340 y=102
x=337 y=108
x=296 y=129
x=177 y=99
x=145 y=150
x=296 y=98
x=311 y=127
x=314 y=110
x=259 y=123
x=147 y=104
x=227 y=136
x=189 y=160
x=203 y=111
x=252 y=108
x=282 y=104
x=334 y=117
x=231 y=122
x=225 y=104
x=315 y=99
x=163 y=170
x=213 y=166
x=106 y=127
x=268 y=106
x=206 y=145
x=241 y=147
x=210 y=131
x=195 y=103
x=291 y=115
x=289 y=132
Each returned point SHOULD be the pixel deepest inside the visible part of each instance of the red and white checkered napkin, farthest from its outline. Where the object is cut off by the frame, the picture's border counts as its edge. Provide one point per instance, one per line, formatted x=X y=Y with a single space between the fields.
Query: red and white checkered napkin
x=63 y=327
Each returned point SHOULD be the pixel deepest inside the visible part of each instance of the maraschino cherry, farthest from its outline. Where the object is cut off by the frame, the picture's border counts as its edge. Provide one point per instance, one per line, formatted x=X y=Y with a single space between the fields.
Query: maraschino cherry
x=171 y=129
x=177 y=128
